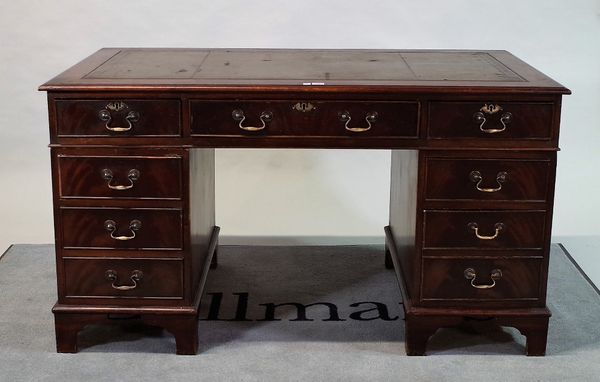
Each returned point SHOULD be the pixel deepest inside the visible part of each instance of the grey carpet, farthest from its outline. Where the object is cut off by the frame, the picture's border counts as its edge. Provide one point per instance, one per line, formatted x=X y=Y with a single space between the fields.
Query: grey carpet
x=364 y=344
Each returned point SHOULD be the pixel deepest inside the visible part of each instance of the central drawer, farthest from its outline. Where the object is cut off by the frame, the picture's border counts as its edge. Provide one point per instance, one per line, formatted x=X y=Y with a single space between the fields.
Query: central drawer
x=292 y=118
x=121 y=228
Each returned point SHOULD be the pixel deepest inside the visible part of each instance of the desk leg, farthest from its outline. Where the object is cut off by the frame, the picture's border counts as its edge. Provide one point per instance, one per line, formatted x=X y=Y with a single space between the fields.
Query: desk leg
x=535 y=329
x=214 y=262
x=183 y=328
x=416 y=335
x=389 y=264
x=67 y=327
x=418 y=330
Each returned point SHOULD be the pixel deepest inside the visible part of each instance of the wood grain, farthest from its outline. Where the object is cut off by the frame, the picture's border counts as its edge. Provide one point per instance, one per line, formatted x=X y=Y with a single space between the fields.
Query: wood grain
x=82 y=177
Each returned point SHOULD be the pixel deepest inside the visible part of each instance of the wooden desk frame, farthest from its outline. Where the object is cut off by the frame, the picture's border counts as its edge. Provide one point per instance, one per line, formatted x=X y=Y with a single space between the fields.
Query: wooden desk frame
x=427 y=241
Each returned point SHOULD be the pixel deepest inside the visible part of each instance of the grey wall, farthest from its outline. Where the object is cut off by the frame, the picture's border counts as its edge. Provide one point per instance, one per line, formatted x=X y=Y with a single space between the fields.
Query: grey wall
x=300 y=192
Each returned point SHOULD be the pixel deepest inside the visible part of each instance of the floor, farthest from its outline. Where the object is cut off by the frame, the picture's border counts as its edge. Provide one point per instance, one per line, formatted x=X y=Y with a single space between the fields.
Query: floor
x=585 y=250
x=351 y=328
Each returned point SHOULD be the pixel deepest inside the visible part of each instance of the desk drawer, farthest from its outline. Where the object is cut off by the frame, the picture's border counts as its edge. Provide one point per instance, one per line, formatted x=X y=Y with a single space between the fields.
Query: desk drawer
x=120 y=177
x=502 y=120
x=323 y=118
x=121 y=228
x=484 y=229
x=123 y=278
x=487 y=179
x=476 y=279
x=115 y=118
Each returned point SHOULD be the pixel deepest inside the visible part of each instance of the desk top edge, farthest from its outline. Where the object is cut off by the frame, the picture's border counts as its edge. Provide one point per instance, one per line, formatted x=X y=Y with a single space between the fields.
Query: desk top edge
x=303 y=70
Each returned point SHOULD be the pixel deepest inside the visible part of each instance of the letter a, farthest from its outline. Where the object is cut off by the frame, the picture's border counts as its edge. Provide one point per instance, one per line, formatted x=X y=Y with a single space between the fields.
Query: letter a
x=379 y=307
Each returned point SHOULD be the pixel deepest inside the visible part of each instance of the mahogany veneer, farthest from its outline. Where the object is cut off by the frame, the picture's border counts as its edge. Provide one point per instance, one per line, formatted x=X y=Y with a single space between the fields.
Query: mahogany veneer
x=143 y=177
x=473 y=134
x=449 y=119
x=394 y=119
x=79 y=117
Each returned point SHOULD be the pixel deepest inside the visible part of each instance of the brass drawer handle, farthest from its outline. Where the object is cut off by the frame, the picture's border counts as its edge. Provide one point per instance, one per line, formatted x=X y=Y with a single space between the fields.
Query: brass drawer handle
x=131 y=117
x=135 y=277
x=265 y=117
x=476 y=177
x=489 y=109
x=470 y=274
x=132 y=175
x=370 y=118
x=111 y=227
x=498 y=227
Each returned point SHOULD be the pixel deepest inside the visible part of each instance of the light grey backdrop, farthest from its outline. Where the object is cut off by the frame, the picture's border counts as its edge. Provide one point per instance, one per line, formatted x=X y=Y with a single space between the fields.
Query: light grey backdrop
x=293 y=192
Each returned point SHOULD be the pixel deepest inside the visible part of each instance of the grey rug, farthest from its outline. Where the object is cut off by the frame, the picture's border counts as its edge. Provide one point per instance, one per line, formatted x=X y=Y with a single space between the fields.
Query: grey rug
x=356 y=334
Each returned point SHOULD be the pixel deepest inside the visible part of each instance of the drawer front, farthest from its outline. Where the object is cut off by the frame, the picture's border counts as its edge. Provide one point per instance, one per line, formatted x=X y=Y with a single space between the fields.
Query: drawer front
x=481 y=279
x=502 y=120
x=484 y=229
x=109 y=118
x=120 y=177
x=127 y=228
x=282 y=118
x=487 y=179
x=123 y=278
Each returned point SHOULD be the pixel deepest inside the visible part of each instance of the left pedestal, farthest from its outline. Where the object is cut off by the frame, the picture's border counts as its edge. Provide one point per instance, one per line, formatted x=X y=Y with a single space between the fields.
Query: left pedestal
x=135 y=236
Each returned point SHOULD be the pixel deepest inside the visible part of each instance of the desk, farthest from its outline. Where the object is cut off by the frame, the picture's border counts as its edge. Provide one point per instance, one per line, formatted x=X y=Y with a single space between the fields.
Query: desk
x=473 y=136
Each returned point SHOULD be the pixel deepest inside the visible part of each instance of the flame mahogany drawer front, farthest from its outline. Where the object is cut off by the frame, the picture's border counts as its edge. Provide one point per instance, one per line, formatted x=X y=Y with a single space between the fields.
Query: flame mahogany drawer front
x=123 y=278
x=122 y=228
x=118 y=118
x=120 y=177
x=497 y=179
x=477 y=279
x=484 y=229
x=314 y=118
x=501 y=120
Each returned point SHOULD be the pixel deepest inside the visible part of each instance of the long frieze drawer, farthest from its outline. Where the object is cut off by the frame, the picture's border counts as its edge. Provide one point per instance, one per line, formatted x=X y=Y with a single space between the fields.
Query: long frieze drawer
x=477 y=279
x=121 y=228
x=123 y=278
x=484 y=229
x=118 y=118
x=120 y=177
x=293 y=118
x=487 y=179
x=502 y=120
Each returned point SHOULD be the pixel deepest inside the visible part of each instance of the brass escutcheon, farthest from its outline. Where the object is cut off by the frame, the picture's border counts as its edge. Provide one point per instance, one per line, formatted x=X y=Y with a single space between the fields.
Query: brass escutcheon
x=490 y=108
x=304 y=107
x=116 y=106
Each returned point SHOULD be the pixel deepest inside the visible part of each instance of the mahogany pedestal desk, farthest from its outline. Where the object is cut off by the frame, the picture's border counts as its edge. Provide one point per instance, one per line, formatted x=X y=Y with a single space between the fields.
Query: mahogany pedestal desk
x=473 y=136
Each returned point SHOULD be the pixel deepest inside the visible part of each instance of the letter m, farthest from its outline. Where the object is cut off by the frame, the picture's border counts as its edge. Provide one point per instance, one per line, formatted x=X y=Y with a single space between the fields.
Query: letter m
x=300 y=311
